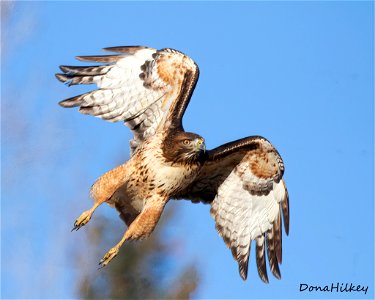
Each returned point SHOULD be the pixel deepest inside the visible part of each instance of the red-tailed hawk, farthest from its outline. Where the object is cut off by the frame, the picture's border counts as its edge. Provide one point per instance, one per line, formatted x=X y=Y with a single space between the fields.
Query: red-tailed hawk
x=149 y=90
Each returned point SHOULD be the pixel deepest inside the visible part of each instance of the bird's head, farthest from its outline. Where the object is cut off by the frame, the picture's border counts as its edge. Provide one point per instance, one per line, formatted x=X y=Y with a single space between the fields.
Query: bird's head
x=185 y=147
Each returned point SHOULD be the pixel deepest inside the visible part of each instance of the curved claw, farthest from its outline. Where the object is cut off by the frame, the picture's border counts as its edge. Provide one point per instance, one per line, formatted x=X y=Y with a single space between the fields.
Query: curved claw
x=111 y=254
x=82 y=219
x=76 y=226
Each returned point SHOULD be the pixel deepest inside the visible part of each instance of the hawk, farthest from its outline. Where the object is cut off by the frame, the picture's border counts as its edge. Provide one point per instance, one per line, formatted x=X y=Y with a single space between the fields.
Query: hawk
x=149 y=91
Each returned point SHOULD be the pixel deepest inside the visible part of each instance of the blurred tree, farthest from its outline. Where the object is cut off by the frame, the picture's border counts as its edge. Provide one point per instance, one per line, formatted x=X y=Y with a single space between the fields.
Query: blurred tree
x=142 y=270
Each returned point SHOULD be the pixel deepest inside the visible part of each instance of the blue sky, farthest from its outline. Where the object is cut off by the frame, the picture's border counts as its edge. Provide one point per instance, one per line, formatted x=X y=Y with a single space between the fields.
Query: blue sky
x=299 y=73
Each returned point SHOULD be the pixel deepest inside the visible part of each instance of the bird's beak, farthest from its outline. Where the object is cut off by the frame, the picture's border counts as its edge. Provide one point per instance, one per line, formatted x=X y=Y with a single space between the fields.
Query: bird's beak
x=201 y=145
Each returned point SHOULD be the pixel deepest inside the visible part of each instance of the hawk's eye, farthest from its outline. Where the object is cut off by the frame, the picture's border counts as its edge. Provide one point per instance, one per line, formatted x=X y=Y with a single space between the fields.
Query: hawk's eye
x=186 y=142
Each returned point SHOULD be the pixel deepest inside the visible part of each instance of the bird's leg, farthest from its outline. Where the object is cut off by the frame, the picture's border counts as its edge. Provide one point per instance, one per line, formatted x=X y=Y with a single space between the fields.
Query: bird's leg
x=143 y=225
x=101 y=191
x=85 y=217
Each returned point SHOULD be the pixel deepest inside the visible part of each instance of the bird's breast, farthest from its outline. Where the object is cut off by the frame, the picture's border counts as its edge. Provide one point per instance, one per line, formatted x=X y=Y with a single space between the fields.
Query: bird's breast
x=168 y=178
x=151 y=174
x=163 y=176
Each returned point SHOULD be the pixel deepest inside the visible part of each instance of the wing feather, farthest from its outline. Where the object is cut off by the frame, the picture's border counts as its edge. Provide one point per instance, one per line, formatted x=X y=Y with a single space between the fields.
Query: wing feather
x=129 y=50
x=278 y=238
x=271 y=253
x=99 y=58
x=285 y=209
x=243 y=182
x=261 y=259
x=146 y=88
x=81 y=70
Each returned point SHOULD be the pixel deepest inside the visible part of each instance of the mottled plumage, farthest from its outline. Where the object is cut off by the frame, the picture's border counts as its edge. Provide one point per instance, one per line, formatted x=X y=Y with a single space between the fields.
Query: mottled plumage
x=149 y=91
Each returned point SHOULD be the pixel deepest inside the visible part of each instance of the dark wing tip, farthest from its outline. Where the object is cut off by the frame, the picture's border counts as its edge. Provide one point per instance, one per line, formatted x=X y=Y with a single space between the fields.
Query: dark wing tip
x=125 y=49
x=271 y=253
x=65 y=69
x=285 y=210
x=99 y=58
x=261 y=259
x=61 y=77
x=81 y=58
x=243 y=263
x=277 y=273
x=71 y=102
x=65 y=78
x=65 y=104
x=243 y=268
x=62 y=68
x=278 y=238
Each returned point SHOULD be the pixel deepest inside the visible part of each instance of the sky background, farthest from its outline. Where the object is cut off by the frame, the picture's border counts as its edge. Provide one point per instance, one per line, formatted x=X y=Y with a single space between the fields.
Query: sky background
x=299 y=73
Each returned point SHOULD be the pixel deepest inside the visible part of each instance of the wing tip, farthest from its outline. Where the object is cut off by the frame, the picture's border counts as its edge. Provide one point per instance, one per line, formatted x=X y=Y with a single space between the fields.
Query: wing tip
x=80 y=57
x=61 y=77
x=86 y=58
x=99 y=58
x=66 y=69
x=243 y=269
x=278 y=242
x=66 y=104
x=65 y=78
x=243 y=276
x=264 y=277
x=63 y=68
x=125 y=49
x=286 y=210
x=71 y=102
x=261 y=259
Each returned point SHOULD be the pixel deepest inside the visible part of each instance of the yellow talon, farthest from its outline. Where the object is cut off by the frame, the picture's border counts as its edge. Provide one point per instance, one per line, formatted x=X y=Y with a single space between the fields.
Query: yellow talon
x=111 y=254
x=82 y=219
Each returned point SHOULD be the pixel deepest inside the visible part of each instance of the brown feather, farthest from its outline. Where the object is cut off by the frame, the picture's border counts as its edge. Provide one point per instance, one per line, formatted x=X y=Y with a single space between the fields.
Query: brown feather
x=278 y=237
x=261 y=258
x=61 y=77
x=262 y=164
x=238 y=148
x=144 y=224
x=243 y=262
x=100 y=58
x=285 y=209
x=271 y=253
x=75 y=79
x=79 y=70
x=72 y=102
x=125 y=49
x=186 y=91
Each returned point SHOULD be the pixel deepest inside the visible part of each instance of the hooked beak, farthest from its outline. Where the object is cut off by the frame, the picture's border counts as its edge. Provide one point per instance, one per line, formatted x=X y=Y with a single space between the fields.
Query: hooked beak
x=201 y=145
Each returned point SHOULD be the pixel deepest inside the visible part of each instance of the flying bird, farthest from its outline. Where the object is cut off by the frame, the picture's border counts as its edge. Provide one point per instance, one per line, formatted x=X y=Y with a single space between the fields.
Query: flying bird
x=149 y=91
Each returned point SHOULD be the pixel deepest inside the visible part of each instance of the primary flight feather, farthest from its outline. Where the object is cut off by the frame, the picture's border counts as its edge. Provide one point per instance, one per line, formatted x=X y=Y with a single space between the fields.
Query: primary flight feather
x=149 y=91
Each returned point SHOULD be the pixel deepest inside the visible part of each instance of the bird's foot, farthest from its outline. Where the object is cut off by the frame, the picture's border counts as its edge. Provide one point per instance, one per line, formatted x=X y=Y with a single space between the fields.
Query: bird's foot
x=111 y=254
x=82 y=220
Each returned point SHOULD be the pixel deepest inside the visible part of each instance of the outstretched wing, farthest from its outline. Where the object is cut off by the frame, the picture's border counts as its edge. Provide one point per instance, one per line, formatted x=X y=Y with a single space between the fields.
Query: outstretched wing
x=146 y=88
x=243 y=182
